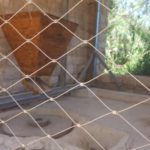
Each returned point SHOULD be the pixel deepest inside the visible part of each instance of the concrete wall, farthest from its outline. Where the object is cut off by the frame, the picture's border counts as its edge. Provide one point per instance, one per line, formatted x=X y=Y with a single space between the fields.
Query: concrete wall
x=84 y=15
x=8 y=73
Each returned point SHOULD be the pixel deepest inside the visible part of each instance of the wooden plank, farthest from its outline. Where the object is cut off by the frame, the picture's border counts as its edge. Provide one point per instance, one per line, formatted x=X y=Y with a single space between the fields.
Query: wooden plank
x=53 y=41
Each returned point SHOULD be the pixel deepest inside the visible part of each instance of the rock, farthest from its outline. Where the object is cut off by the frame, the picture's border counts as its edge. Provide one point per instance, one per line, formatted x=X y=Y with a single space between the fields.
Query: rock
x=35 y=146
x=10 y=143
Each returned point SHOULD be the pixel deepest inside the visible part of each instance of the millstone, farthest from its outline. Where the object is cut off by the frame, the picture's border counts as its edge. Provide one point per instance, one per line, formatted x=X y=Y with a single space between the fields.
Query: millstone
x=24 y=126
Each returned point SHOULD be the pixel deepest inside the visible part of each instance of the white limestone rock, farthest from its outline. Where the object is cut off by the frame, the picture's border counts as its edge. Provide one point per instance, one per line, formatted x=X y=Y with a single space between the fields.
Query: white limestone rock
x=11 y=143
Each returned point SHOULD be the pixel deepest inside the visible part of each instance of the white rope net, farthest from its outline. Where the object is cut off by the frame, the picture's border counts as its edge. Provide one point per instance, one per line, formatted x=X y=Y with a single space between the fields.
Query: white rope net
x=110 y=111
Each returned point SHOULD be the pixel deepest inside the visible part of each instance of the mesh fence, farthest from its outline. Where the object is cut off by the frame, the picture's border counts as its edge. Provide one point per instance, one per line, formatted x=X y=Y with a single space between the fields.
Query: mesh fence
x=82 y=126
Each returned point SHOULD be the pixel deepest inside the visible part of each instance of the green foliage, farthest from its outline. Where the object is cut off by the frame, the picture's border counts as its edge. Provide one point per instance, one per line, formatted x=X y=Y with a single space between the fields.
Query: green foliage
x=128 y=40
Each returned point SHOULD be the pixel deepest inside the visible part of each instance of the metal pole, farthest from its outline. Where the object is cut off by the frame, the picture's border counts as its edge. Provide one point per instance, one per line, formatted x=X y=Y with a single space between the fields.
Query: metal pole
x=97 y=58
x=97 y=40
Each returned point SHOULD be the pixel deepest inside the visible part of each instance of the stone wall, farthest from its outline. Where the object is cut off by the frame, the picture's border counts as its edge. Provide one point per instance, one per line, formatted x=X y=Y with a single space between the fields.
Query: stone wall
x=84 y=15
x=8 y=73
x=75 y=60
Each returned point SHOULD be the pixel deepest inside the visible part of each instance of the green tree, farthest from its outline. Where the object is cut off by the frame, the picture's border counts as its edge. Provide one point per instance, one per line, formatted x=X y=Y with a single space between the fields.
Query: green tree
x=128 y=44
